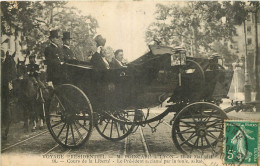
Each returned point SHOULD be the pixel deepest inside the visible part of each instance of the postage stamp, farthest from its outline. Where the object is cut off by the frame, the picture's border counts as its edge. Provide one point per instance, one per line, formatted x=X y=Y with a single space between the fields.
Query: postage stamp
x=241 y=142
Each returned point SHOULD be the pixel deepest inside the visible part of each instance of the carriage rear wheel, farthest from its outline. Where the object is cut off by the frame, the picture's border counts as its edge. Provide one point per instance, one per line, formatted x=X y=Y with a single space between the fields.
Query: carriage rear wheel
x=114 y=130
x=70 y=116
x=199 y=127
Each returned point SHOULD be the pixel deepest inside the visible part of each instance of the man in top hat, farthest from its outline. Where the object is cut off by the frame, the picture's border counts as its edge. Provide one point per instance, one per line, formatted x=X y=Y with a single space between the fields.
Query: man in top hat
x=54 y=58
x=67 y=52
x=98 y=59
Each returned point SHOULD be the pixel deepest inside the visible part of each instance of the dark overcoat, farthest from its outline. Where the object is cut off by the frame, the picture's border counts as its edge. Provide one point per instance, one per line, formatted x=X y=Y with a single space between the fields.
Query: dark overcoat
x=68 y=53
x=98 y=62
x=54 y=57
x=115 y=64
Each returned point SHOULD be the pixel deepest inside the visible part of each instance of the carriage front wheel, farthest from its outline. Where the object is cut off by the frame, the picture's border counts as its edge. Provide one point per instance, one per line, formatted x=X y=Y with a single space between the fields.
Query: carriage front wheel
x=114 y=130
x=69 y=116
x=198 y=128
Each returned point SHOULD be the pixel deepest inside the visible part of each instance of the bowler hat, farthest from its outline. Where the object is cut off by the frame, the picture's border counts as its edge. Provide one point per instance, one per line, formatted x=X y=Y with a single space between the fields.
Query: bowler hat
x=54 y=34
x=100 y=40
x=66 y=35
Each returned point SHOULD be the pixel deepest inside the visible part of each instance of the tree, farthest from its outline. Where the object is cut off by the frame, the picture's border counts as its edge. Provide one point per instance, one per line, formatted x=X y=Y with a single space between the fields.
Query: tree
x=194 y=26
x=35 y=19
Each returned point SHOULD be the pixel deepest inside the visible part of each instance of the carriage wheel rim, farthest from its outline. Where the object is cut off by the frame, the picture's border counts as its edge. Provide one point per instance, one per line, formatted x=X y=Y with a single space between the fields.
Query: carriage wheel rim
x=125 y=128
x=196 y=136
x=73 y=126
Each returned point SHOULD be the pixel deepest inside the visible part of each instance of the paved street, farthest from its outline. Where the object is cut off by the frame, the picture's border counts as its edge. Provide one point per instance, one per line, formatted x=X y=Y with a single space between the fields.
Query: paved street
x=143 y=142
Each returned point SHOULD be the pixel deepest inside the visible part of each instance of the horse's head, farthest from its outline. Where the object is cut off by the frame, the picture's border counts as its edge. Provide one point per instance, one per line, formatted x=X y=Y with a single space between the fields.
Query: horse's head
x=21 y=68
x=9 y=68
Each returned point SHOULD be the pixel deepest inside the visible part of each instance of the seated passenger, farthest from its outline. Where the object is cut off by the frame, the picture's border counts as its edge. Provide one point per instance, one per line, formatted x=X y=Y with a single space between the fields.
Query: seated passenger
x=67 y=52
x=117 y=61
x=98 y=60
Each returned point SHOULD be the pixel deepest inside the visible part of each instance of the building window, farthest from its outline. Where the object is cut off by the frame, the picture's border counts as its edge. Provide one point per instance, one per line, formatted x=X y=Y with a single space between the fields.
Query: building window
x=249 y=30
x=249 y=41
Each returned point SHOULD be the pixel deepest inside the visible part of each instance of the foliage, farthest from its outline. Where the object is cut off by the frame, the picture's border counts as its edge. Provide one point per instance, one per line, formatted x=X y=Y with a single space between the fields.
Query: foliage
x=195 y=26
x=224 y=52
x=36 y=18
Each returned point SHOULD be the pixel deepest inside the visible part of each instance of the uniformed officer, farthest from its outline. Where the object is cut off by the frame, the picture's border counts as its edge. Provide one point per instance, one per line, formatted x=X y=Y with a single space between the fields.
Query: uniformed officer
x=54 y=58
x=33 y=71
x=67 y=52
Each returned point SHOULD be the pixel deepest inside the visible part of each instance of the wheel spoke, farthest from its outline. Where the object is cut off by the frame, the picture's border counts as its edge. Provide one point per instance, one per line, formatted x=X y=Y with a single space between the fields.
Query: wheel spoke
x=191 y=136
x=193 y=118
x=187 y=123
x=212 y=136
x=60 y=102
x=217 y=127
x=209 y=115
x=195 y=143
x=71 y=128
x=80 y=135
x=117 y=129
x=56 y=124
x=214 y=130
x=67 y=134
x=214 y=123
x=111 y=130
x=184 y=131
x=208 y=143
x=105 y=126
x=61 y=130
x=82 y=126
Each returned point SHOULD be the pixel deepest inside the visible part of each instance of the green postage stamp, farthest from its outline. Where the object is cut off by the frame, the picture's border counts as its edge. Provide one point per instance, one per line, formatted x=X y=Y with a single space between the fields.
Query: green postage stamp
x=241 y=142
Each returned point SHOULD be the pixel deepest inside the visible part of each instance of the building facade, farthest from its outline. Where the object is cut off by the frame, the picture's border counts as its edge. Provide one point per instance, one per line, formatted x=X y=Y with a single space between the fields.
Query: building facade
x=245 y=41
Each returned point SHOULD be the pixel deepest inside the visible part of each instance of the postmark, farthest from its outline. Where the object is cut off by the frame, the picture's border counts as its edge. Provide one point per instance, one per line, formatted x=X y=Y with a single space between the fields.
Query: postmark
x=241 y=142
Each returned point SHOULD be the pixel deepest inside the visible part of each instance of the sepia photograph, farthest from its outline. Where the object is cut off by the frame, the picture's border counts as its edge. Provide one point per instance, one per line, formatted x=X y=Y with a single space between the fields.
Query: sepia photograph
x=130 y=82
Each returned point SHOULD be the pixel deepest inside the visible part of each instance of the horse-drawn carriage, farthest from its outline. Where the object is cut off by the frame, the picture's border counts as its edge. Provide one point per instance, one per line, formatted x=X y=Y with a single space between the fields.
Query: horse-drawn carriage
x=113 y=100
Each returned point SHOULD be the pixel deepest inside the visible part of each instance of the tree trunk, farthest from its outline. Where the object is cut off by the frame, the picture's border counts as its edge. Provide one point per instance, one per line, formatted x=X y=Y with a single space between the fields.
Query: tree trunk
x=247 y=80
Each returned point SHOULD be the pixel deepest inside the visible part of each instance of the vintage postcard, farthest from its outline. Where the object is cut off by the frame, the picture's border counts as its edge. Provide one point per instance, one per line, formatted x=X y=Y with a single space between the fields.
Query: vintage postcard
x=129 y=82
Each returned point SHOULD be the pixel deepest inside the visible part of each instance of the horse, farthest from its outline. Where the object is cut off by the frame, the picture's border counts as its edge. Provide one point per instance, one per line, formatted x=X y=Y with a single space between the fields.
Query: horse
x=8 y=75
x=30 y=96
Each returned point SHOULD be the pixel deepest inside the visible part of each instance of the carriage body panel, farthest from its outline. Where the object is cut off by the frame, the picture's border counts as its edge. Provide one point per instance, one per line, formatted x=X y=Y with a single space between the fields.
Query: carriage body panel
x=148 y=81
x=137 y=86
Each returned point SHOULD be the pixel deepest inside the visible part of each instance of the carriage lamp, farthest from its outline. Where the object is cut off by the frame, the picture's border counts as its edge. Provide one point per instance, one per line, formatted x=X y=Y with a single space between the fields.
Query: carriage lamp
x=216 y=59
x=179 y=57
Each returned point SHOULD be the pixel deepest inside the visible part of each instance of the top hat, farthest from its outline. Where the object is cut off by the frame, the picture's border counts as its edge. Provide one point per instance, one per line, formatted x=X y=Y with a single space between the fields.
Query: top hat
x=54 y=34
x=66 y=35
x=100 y=40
